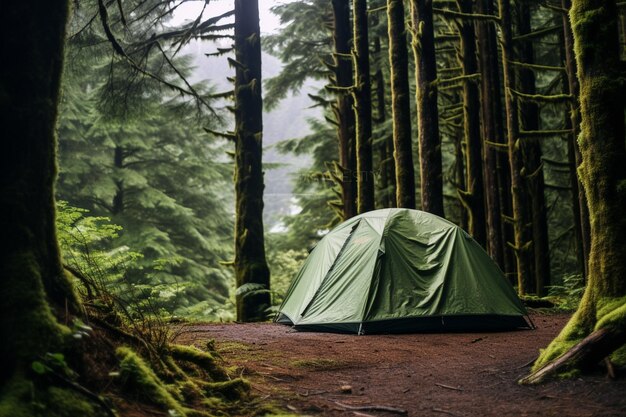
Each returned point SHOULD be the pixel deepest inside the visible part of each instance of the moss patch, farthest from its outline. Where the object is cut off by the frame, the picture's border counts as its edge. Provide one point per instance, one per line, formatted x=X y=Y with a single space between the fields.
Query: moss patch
x=141 y=380
x=22 y=398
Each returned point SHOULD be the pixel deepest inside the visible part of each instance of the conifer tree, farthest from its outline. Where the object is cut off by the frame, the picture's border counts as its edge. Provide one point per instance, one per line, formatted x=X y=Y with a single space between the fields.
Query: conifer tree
x=344 y=115
x=363 y=107
x=473 y=196
x=400 y=105
x=250 y=263
x=598 y=327
x=431 y=184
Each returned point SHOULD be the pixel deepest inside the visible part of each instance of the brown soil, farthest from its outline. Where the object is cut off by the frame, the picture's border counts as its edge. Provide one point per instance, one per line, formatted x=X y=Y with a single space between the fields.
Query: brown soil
x=459 y=374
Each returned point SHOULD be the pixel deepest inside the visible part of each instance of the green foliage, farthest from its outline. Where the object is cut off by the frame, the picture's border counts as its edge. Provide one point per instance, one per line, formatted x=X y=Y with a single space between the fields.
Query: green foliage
x=139 y=157
x=567 y=295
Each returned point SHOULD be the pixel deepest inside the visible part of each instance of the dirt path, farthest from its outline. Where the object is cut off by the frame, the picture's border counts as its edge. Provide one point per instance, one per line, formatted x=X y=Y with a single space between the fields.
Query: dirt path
x=462 y=374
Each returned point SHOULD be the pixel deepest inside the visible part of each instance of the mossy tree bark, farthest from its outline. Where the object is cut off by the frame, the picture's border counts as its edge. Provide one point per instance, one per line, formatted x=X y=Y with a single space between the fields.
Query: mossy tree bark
x=387 y=164
x=520 y=217
x=603 y=175
x=344 y=115
x=35 y=290
x=492 y=132
x=474 y=196
x=363 y=107
x=250 y=263
x=431 y=184
x=400 y=105
x=579 y=202
x=533 y=165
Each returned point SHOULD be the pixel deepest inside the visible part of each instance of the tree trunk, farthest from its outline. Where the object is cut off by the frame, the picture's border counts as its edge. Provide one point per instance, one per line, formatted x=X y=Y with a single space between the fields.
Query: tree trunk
x=474 y=196
x=363 y=108
x=492 y=131
x=520 y=216
x=387 y=178
x=602 y=172
x=532 y=160
x=431 y=184
x=34 y=285
x=400 y=105
x=579 y=203
x=344 y=114
x=250 y=264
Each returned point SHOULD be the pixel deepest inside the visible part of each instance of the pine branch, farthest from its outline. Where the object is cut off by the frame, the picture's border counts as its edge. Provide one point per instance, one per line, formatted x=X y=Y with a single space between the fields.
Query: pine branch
x=473 y=16
x=543 y=133
x=226 y=135
x=536 y=66
x=538 y=33
x=540 y=98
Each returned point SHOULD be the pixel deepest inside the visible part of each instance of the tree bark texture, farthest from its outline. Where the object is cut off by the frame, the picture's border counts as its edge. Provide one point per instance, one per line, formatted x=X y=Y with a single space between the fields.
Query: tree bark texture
x=431 y=184
x=34 y=285
x=492 y=132
x=250 y=262
x=400 y=105
x=520 y=217
x=602 y=173
x=533 y=166
x=387 y=163
x=342 y=45
x=579 y=203
x=363 y=108
x=474 y=196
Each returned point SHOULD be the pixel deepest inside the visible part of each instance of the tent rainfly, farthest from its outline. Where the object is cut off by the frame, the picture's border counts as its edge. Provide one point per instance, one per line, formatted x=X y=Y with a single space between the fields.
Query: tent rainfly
x=396 y=271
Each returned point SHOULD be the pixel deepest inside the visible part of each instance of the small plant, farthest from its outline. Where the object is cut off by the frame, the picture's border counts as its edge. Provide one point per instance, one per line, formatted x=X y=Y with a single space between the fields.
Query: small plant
x=567 y=295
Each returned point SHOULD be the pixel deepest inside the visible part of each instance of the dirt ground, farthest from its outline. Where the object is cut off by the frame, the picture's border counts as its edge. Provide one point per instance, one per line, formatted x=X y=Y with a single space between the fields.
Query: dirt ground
x=459 y=374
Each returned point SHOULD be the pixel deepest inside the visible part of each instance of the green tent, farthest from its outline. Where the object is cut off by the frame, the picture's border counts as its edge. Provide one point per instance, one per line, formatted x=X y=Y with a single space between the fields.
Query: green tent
x=400 y=270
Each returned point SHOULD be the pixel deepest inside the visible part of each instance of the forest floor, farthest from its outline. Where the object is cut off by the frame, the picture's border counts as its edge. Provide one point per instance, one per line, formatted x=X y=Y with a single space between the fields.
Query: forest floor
x=444 y=374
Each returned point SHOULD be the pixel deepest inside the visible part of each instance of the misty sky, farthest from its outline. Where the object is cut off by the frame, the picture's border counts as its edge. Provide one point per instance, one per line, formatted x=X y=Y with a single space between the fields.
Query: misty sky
x=190 y=10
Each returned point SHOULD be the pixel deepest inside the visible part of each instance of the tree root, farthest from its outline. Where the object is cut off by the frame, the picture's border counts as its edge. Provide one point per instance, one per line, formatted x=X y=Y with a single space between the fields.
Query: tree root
x=584 y=355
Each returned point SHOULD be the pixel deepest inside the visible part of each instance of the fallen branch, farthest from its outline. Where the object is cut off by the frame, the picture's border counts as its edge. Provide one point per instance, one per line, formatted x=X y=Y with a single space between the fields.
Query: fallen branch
x=371 y=408
x=448 y=387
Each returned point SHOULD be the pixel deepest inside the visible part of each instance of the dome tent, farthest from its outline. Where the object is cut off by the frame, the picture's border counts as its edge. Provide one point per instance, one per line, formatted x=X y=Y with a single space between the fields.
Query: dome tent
x=400 y=270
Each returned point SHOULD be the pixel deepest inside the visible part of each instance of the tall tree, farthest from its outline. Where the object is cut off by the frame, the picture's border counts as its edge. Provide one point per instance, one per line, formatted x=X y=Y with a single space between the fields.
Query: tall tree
x=492 y=132
x=344 y=115
x=363 y=107
x=250 y=263
x=431 y=185
x=530 y=119
x=519 y=218
x=579 y=203
x=600 y=314
x=37 y=293
x=400 y=105
x=473 y=197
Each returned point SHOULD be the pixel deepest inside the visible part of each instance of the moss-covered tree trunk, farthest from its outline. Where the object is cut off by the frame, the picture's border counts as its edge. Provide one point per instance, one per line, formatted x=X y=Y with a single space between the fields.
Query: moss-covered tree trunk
x=344 y=115
x=579 y=202
x=603 y=175
x=386 y=171
x=474 y=196
x=34 y=286
x=431 y=184
x=363 y=107
x=400 y=105
x=529 y=111
x=250 y=263
x=520 y=217
x=492 y=131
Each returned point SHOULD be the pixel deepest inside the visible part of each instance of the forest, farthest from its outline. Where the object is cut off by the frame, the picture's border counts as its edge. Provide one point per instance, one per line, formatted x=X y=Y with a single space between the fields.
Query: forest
x=430 y=193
